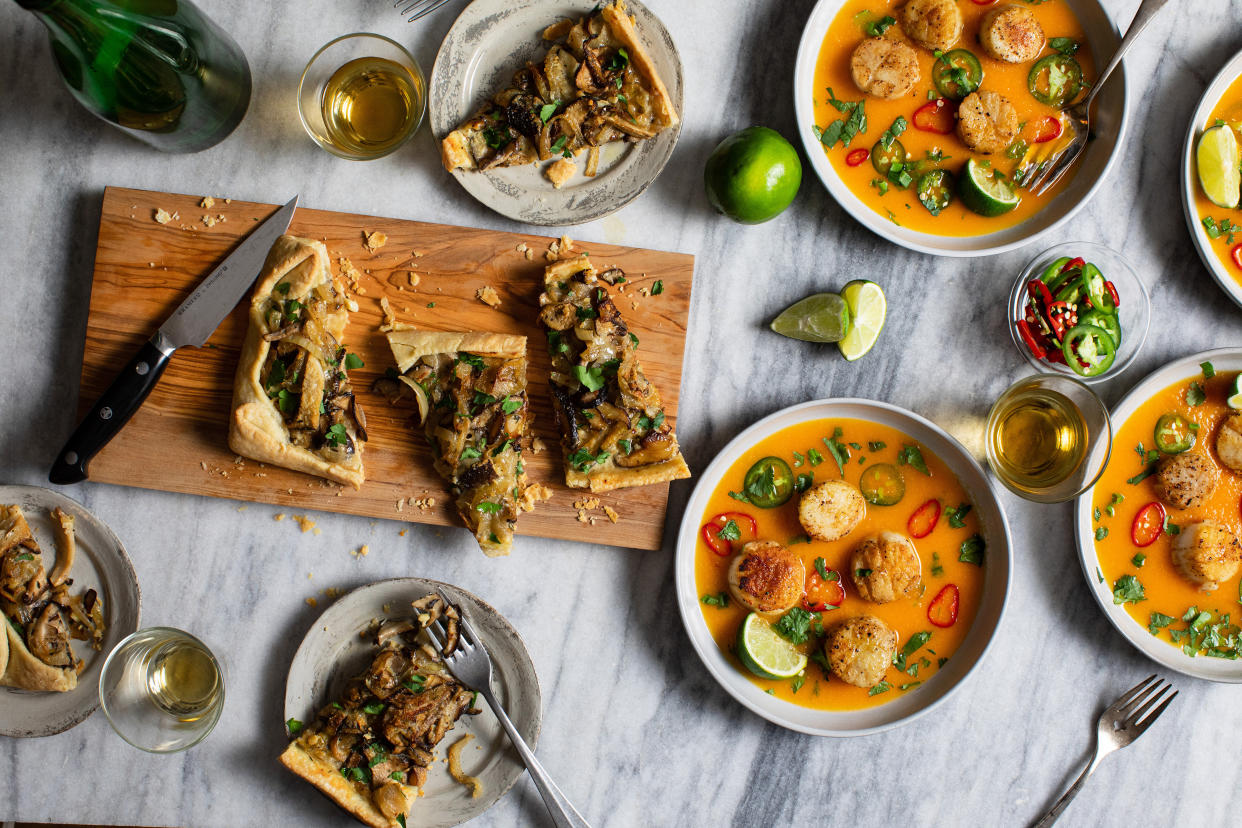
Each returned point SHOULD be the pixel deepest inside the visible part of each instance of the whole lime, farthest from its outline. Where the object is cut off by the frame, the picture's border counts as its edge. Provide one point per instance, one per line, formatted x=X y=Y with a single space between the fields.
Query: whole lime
x=753 y=175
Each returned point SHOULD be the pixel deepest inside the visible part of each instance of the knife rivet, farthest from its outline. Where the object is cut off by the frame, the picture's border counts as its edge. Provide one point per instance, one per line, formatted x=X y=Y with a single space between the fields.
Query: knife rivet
x=71 y=457
x=142 y=369
x=105 y=413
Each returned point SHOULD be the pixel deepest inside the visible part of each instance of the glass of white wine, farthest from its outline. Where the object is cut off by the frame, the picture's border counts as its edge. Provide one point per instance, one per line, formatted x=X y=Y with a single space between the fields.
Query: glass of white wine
x=362 y=96
x=1048 y=438
x=162 y=690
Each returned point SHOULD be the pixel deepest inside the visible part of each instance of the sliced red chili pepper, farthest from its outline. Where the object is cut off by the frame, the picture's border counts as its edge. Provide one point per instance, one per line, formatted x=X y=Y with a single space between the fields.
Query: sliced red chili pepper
x=1237 y=254
x=1078 y=261
x=857 y=157
x=924 y=519
x=1037 y=289
x=823 y=595
x=983 y=2
x=1047 y=129
x=720 y=546
x=935 y=116
x=1148 y=524
x=738 y=517
x=1024 y=331
x=1058 y=318
x=943 y=609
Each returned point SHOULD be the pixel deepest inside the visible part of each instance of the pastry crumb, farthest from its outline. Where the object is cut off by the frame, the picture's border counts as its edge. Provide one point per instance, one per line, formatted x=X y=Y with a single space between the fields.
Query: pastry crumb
x=537 y=445
x=242 y=508
x=403 y=533
x=390 y=320
x=612 y=514
x=582 y=516
x=361 y=551
x=560 y=171
x=305 y=523
x=207 y=203
x=487 y=295
x=529 y=254
x=521 y=248
x=375 y=240
x=312 y=602
x=279 y=516
x=162 y=216
x=533 y=494
x=414 y=279
x=203 y=463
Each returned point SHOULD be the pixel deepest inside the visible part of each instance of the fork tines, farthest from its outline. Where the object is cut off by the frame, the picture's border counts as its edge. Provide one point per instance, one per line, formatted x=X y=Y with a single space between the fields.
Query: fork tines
x=1143 y=703
x=419 y=8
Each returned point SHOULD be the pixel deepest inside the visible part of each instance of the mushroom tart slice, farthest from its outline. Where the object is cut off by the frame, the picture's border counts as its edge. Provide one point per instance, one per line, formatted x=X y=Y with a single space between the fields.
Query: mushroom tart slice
x=596 y=84
x=293 y=404
x=471 y=394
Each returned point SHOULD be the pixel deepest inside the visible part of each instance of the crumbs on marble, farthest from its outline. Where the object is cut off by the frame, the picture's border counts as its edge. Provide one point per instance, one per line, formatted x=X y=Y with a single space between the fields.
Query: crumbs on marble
x=305 y=523
x=361 y=551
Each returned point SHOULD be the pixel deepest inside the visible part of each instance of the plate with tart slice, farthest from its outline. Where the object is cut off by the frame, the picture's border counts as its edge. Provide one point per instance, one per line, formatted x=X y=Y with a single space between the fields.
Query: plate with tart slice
x=556 y=119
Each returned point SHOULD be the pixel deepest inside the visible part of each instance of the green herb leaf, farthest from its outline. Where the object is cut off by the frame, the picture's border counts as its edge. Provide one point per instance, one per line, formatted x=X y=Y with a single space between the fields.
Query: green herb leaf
x=547 y=111
x=559 y=144
x=1128 y=590
x=1143 y=475
x=353 y=361
x=1139 y=559
x=592 y=377
x=1158 y=622
x=1065 y=45
x=972 y=550
x=797 y=683
x=511 y=405
x=877 y=445
x=1195 y=395
x=911 y=647
x=1101 y=533
x=294 y=725
x=878 y=27
x=658 y=287
x=911 y=455
x=814 y=457
x=414 y=683
x=337 y=435
x=795 y=625
x=957 y=515
x=937 y=570
x=821 y=566
x=739 y=496
x=847 y=128
x=882 y=687
x=1209 y=370
x=730 y=531
x=488 y=507
x=373 y=708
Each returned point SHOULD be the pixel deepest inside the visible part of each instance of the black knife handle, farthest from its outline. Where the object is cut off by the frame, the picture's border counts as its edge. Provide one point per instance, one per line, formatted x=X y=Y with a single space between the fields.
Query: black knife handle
x=112 y=411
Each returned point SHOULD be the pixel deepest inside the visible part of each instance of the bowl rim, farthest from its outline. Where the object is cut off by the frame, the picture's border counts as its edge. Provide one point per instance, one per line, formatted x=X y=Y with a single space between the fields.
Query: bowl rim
x=804 y=64
x=1135 y=341
x=1211 y=96
x=1154 y=648
x=998 y=580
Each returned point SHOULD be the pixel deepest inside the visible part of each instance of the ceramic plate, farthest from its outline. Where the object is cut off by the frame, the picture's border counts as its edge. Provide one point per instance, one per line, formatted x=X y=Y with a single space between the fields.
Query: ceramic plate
x=488 y=43
x=333 y=651
x=1108 y=126
x=100 y=564
x=935 y=690
x=1227 y=280
x=1158 y=650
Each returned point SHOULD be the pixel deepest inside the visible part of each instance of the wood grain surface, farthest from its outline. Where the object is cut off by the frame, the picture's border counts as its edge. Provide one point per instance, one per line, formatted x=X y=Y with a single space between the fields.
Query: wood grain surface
x=178 y=440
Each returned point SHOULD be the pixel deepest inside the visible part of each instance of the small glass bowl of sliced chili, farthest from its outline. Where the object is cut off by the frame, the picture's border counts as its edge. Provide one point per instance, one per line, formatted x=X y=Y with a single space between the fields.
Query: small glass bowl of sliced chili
x=1103 y=300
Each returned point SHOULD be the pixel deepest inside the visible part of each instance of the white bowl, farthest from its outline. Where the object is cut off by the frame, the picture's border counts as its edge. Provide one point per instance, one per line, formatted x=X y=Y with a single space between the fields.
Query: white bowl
x=935 y=690
x=1190 y=179
x=1108 y=125
x=1157 y=649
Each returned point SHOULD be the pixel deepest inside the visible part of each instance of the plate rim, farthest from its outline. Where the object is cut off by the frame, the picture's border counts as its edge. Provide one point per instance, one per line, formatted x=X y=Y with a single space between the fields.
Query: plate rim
x=807 y=54
x=1129 y=629
x=684 y=553
x=1203 y=245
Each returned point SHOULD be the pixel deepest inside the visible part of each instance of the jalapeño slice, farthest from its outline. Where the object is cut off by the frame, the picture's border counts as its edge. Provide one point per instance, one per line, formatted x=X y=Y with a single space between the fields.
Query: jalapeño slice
x=883 y=158
x=769 y=483
x=1088 y=350
x=1174 y=433
x=935 y=190
x=957 y=74
x=882 y=484
x=1055 y=80
x=1107 y=321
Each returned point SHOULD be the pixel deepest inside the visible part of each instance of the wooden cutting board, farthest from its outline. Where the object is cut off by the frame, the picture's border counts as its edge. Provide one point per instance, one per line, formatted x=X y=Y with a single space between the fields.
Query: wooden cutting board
x=178 y=440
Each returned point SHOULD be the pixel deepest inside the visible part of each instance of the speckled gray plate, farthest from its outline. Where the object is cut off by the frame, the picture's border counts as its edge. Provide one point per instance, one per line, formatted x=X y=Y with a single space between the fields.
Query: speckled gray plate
x=333 y=651
x=489 y=42
x=100 y=564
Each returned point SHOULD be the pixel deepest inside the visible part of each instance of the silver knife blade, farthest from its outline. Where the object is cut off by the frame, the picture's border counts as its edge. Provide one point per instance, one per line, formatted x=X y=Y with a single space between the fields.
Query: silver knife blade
x=204 y=309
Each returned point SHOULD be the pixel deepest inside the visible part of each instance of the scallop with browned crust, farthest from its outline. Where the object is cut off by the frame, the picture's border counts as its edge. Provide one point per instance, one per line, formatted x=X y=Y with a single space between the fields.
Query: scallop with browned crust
x=830 y=510
x=932 y=24
x=987 y=121
x=767 y=577
x=1186 y=480
x=884 y=68
x=1206 y=554
x=1011 y=33
x=886 y=567
x=1229 y=442
x=860 y=649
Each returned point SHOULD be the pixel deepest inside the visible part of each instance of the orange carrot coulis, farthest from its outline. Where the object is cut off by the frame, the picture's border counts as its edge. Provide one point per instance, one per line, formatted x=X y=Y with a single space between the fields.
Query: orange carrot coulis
x=1229 y=110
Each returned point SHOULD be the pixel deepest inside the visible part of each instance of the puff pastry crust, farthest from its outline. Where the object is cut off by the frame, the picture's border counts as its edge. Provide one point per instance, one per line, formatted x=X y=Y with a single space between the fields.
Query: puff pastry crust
x=293 y=404
x=614 y=433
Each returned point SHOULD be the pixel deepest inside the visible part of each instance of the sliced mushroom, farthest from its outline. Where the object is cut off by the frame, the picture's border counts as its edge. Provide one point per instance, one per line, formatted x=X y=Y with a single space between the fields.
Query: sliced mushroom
x=389 y=798
x=49 y=638
x=65 y=547
x=628 y=127
x=559 y=317
x=287 y=330
x=392 y=629
x=656 y=447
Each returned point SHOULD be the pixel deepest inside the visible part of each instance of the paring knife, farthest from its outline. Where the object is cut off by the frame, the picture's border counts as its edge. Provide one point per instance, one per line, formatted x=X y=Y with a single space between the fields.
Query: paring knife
x=190 y=324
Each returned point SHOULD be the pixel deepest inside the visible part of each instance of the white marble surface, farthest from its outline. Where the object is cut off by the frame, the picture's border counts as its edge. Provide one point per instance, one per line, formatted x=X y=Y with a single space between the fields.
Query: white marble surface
x=634 y=729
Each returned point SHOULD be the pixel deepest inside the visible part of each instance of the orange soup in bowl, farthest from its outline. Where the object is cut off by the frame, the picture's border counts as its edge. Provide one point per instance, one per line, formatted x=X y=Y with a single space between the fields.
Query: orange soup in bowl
x=933 y=112
x=883 y=594
x=1224 y=225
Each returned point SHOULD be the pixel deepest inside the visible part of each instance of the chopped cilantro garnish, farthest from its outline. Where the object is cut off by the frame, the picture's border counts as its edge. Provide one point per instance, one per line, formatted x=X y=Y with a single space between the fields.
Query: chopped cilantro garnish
x=1128 y=590
x=911 y=455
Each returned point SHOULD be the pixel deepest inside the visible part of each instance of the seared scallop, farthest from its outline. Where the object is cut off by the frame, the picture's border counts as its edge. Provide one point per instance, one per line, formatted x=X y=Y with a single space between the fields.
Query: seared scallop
x=767 y=577
x=886 y=567
x=1186 y=480
x=1011 y=33
x=1229 y=442
x=1207 y=553
x=830 y=511
x=987 y=121
x=860 y=649
x=884 y=68
x=933 y=24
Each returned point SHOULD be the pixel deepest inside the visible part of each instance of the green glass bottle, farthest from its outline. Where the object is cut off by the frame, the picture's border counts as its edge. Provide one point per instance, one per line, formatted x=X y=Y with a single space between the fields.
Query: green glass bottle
x=158 y=69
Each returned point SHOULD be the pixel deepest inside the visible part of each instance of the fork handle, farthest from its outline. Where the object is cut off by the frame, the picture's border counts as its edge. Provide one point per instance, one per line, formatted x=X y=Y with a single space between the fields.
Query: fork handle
x=1146 y=11
x=563 y=813
x=1055 y=812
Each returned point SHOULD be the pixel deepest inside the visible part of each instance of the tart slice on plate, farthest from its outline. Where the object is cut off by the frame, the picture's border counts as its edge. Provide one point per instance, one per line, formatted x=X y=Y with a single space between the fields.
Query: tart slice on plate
x=595 y=84
x=613 y=430
x=293 y=404
x=471 y=395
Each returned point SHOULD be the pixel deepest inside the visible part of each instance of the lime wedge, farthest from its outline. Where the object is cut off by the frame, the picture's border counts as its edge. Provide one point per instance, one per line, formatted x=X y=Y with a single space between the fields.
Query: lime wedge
x=1217 y=161
x=765 y=653
x=867 y=310
x=822 y=317
x=1234 y=400
x=983 y=191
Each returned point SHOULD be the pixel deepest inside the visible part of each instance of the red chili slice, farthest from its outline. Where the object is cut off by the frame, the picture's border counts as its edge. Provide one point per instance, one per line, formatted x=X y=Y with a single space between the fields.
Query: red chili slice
x=983 y=2
x=720 y=546
x=1048 y=129
x=1112 y=293
x=858 y=156
x=943 y=609
x=1073 y=263
x=1024 y=331
x=935 y=116
x=1237 y=254
x=738 y=518
x=1148 y=524
x=1058 y=318
x=1037 y=289
x=822 y=595
x=924 y=519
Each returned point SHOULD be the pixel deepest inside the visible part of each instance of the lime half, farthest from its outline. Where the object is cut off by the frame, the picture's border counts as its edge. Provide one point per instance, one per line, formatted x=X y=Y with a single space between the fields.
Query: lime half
x=822 y=317
x=765 y=653
x=1217 y=161
x=867 y=309
x=1234 y=400
x=985 y=192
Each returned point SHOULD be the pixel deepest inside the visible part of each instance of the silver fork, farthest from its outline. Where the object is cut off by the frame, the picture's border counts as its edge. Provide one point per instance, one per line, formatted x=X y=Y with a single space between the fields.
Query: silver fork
x=1122 y=722
x=420 y=8
x=471 y=664
x=1047 y=171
